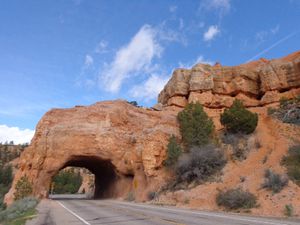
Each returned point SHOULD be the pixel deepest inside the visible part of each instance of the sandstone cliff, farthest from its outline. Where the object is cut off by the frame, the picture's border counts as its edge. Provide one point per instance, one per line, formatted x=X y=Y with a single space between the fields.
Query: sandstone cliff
x=256 y=83
x=124 y=146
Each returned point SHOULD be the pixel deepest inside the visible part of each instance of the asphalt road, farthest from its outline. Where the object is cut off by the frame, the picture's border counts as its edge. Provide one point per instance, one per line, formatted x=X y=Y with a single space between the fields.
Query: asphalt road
x=80 y=211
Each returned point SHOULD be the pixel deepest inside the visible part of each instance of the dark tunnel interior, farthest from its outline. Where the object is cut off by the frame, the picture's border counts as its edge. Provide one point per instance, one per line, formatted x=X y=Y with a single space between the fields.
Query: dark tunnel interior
x=104 y=171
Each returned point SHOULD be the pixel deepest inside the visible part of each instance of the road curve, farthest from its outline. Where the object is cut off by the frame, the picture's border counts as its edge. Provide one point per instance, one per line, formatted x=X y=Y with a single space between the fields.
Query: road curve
x=78 y=212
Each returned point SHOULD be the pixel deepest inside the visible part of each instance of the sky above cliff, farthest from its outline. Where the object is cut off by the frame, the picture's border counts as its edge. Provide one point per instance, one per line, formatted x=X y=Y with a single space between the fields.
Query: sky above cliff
x=57 y=54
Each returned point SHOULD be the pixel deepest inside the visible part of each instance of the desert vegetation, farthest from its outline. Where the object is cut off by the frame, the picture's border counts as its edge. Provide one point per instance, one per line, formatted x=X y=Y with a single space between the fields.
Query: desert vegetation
x=239 y=123
x=288 y=111
x=173 y=152
x=292 y=163
x=24 y=207
x=151 y=195
x=234 y=199
x=199 y=159
x=199 y=164
x=237 y=119
x=19 y=212
x=274 y=182
x=134 y=103
x=5 y=182
x=23 y=188
x=288 y=210
x=9 y=151
x=196 y=127
x=67 y=181
x=130 y=196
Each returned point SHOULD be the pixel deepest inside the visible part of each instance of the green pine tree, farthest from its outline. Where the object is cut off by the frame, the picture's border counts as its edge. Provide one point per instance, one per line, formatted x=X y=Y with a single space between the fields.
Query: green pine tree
x=195 y=126
x=237 y=119
x=173 y=152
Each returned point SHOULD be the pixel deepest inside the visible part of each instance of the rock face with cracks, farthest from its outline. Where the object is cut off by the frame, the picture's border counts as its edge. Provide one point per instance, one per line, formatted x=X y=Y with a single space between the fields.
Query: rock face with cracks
x=123 y=145
x=256 y=83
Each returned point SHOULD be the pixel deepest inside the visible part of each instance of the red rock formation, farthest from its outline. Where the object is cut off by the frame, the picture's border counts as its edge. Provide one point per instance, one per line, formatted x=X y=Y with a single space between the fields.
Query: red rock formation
x=256 y=83
x=123 y=145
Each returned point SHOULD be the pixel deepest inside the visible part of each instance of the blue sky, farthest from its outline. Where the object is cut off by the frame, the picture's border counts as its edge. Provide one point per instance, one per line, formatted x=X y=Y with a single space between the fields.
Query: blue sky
x=64 y=53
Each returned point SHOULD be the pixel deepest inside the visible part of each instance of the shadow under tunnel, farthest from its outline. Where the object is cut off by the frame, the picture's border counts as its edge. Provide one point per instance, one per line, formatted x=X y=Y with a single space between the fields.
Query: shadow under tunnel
x=104 y=171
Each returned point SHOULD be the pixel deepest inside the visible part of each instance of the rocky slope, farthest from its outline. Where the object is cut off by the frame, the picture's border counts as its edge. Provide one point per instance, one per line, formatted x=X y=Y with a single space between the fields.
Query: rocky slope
x=267 y=146
x=256 y=83
x=124 y=146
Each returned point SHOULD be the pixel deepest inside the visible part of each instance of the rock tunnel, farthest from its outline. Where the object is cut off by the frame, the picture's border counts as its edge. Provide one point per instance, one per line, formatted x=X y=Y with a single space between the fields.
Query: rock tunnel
x=122 y=145
x=104 y=171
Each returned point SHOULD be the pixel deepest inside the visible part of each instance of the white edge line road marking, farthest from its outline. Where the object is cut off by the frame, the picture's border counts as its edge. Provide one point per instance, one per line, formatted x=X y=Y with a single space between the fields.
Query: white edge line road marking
x=74 y=214
x=212 y=215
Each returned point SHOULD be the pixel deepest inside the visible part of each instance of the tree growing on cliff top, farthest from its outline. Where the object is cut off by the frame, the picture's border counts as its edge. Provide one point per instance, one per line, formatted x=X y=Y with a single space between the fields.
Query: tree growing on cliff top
x=237 y=119
x=195 y=126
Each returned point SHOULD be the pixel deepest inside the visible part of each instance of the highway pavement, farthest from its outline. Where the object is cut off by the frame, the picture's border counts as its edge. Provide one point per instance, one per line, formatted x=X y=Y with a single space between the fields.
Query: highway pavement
x=65 y=211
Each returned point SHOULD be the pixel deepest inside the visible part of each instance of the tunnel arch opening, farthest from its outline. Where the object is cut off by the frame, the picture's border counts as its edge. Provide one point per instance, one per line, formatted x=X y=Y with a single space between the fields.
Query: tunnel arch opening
x=106 y=178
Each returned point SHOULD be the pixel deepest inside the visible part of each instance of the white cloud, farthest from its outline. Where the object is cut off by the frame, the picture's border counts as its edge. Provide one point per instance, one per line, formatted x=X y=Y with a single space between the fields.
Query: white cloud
x=169 y=35
x=15 y=134
x=135 y=57
x=200 y=59
x=88 y=61
x=173 y=8
x=150 y=88
x=275 y=29
x=220 y=6
x=263 y=35
x=101 y=47
x=211 y=33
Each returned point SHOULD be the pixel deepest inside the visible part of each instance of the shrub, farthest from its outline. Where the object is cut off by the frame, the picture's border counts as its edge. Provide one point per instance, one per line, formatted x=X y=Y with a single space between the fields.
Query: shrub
x=292 y=163
x=288 y=210
x=239 y=144
x=289 y=111
x=283 y=102
x=2 y=204
x=6 y=175
x=237 y=119
x=271 y=111
x=152 y=195
x=195 y=126
x=5 y=183
x=236 y=199
x=130 y=196
x=134 y=103
x=274 y=181
x=173 y=152
x=18 y=209
x=199 y=164
x=23 y=188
